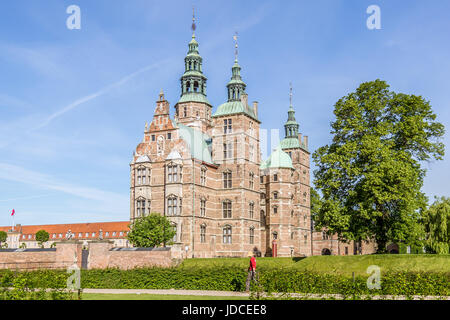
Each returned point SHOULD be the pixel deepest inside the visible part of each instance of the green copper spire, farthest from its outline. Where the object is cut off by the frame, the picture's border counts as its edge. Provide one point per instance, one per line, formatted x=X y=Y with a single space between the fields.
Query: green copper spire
x=193 y=81
x=291 y=127
x=236 y=87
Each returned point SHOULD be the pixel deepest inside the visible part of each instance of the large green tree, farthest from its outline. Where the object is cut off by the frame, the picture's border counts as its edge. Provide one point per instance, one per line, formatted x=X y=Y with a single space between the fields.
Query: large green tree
x=42 y=236
x=370 y=175
x=437 y=225
x=151 y=231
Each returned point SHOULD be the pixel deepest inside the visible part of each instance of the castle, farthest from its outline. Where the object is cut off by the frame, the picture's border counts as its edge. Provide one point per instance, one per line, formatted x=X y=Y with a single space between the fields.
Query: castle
x=203 y=170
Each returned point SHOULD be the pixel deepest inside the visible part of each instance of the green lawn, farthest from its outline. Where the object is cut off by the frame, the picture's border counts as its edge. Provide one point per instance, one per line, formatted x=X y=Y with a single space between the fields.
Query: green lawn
x=338 y=264
x=108 y=296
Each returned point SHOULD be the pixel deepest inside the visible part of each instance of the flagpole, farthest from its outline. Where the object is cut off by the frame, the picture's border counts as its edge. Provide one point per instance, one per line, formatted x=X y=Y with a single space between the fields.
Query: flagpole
x=13 y=219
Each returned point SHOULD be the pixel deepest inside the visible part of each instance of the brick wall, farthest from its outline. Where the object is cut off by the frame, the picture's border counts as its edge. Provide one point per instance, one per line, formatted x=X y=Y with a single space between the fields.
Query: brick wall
x=102 y=254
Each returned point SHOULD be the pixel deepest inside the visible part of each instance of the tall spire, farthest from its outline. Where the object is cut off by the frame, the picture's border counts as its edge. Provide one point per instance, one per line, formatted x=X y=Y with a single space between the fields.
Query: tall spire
x=193 y=81
x=291 y=127
x=193 y=23
x=236 y=87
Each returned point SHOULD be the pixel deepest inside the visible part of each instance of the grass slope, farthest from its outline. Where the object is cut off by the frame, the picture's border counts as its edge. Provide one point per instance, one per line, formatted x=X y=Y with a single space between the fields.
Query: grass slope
x=337 y=264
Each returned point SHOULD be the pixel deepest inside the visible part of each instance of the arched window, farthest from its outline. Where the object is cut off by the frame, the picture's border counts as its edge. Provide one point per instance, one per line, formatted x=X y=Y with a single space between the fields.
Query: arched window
x=251 y=209
x=188 y=86
x=227 y=233
x=275 y=235
x=275 y=209
x=251 y=177
x=203 y=176
x=226 y=209
x=195 y=86
x=252 y=235
x=275 y=195
x=203 y=233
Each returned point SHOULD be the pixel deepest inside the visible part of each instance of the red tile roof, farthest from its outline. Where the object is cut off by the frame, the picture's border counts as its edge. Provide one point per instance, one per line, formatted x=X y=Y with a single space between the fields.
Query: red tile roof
x=75 y=228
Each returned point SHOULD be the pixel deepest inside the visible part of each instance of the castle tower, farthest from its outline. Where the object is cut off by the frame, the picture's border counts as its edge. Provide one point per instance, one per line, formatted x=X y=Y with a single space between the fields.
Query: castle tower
x=193 y=109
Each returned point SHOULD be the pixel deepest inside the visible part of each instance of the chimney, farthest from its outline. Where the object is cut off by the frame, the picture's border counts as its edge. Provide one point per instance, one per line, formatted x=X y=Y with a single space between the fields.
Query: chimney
x=305 y=139
x=244 y=99
x=300 y=138
x=255 y=108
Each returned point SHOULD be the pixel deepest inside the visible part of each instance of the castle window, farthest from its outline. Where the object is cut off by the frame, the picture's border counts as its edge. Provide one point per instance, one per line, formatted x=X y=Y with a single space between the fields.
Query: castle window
x=169 y=136
x=251 y=180
x=275 y=235
x=203 y=176
x=251 y=209
x=172 y=206
x=172 y=173
x=275 y=195
x=275 y=177
x=226 y=209
x=185 y=110
x=252 y=235
x=153 y=137
x=107 y=234
x=202 y=208
x=86 y=235
x=202 y=233
x=227 y=179
x=227 y=126
x=195 y=86
x=80 y=235
x=93 y=234
x=54 y=236
x=227 y=231
x=141 y=175
x=174 y=226
x=227 y=150
x=275 y=210
x=346 y=251
x=261 y=179
x=140 y=207
x=306 y=238
x=292 y=236
x=324 y=235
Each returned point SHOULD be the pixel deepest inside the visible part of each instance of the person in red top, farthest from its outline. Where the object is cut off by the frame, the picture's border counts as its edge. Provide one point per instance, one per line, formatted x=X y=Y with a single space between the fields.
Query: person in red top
x=251 y=270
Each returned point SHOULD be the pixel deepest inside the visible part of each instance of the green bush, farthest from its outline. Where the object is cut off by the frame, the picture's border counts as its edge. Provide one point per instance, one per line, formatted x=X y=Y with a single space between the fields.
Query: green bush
x=35 y=285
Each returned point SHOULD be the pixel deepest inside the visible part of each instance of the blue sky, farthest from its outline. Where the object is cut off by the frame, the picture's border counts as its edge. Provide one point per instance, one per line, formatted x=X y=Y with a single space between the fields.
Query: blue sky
x=73 y=103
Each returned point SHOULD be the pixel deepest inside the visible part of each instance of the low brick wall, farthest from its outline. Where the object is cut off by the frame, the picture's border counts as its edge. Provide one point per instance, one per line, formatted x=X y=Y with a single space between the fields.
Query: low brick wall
x=61 y=257
x=101 y=255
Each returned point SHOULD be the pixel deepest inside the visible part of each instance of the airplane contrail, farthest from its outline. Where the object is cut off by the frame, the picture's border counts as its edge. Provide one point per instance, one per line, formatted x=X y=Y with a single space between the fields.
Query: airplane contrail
x=96 y=94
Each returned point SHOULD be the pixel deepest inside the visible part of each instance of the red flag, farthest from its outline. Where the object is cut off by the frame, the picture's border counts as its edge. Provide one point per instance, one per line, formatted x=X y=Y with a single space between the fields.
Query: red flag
x=12 y=213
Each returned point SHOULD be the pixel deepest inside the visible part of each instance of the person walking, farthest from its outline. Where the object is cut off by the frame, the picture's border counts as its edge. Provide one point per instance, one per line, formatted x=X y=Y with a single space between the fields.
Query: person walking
x=251 y=270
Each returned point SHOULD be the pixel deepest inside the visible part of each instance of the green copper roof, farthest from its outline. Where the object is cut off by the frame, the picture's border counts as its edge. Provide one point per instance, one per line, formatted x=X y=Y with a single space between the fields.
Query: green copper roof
x=278 y=159
x=200 y=144
x=234 y=107
x=193 y=73
x=194 y=97
x=291 y=143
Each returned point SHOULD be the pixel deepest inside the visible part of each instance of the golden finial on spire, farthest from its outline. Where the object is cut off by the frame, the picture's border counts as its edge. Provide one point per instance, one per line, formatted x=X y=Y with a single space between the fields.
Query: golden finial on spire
x=235 y=38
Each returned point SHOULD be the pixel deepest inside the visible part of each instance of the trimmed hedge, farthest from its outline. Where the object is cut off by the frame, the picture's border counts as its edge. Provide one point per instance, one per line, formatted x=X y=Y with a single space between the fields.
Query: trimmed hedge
x=233 y=279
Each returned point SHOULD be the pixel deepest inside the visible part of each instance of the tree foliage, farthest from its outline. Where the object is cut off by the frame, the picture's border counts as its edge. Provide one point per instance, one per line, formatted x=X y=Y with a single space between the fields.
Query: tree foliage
x=370 y=175
x=151 y=231
x=316 y=204
x=42 y=236
x=3 y=237
x=437 y=225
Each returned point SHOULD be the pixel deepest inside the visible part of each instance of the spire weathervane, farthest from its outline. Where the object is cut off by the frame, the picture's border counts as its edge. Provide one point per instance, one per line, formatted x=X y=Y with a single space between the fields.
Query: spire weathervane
x=290 y=93
x=235 y=38
x=193 y=22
